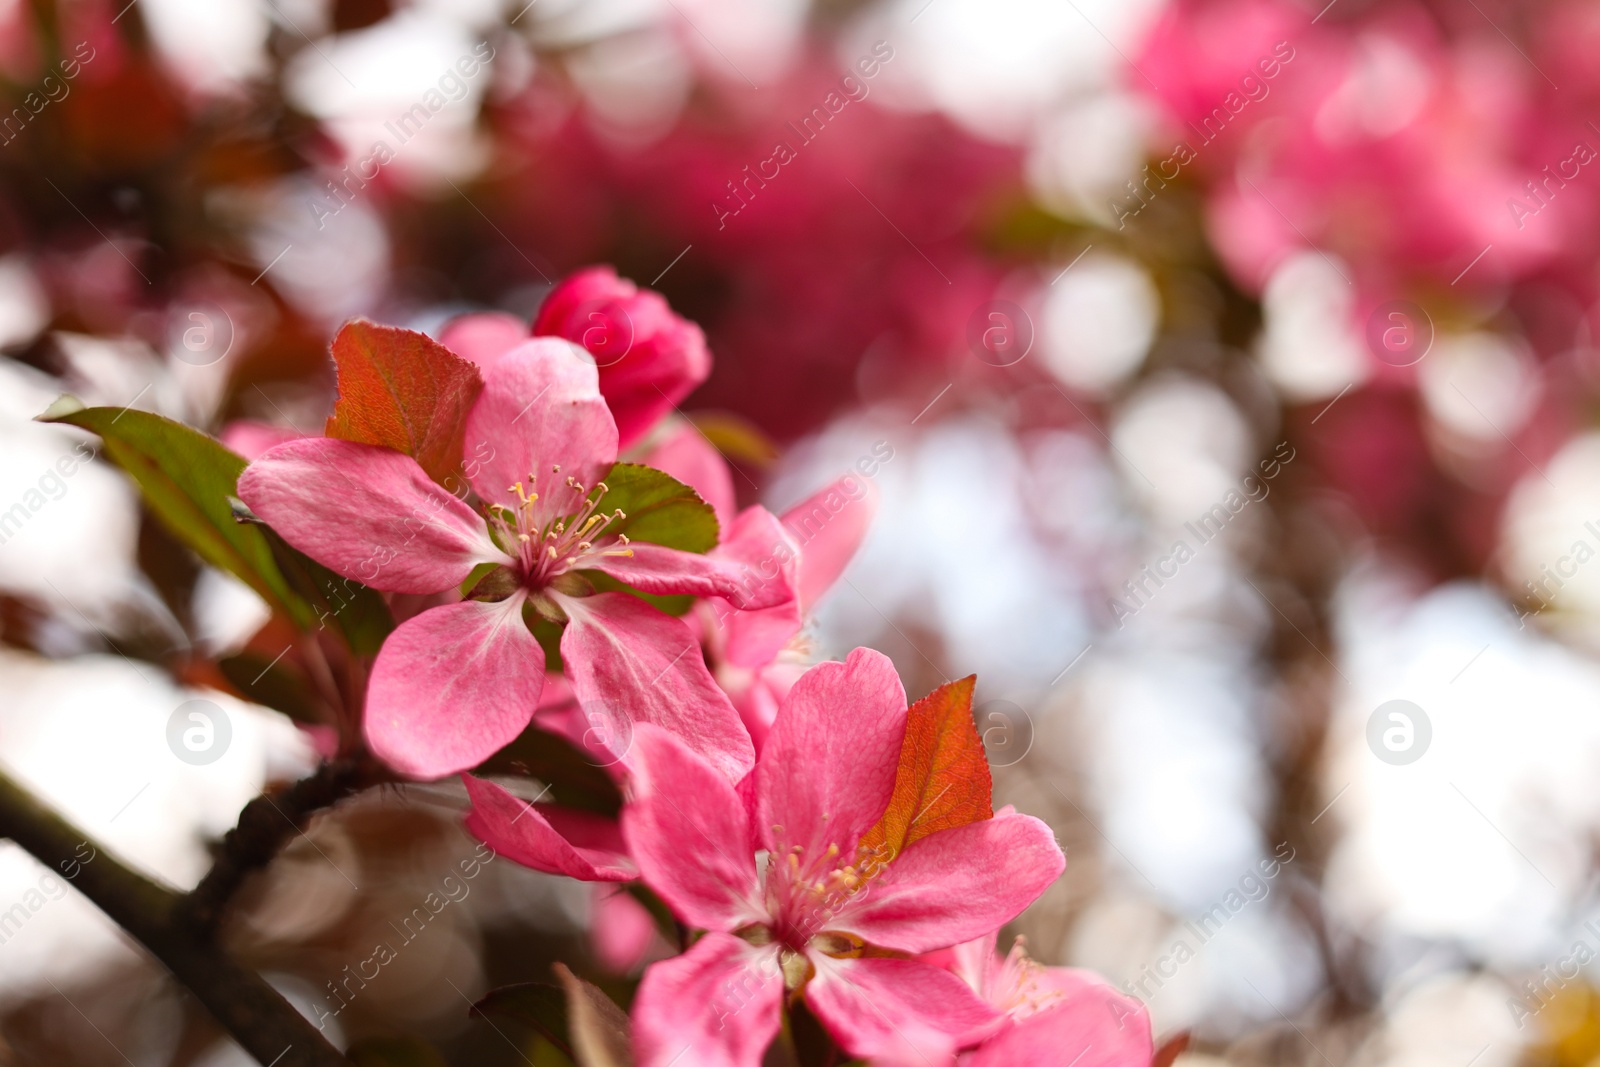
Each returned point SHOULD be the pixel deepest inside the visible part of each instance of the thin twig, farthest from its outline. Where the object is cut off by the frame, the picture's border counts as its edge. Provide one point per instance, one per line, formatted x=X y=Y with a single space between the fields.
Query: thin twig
x=257 y=1016
x=265 y=825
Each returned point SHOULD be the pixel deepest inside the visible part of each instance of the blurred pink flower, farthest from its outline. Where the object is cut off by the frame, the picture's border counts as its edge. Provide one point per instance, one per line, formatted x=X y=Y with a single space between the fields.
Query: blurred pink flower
x=1376 y=138
x=858 y=265
x=622 y=932
x=252 y=439
x=1056 y=1014
x=802 y=921
x=456 y=682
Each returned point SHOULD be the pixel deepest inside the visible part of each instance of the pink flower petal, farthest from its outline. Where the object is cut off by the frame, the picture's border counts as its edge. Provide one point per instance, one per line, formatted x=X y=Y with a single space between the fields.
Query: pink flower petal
x=368 y=513
x=688 y=456
x=899 y=1011
x=540 y=409
x=714 y=1006
x=954 y=885
x=452 y=686
x=758 y=693
x=758 y=541
x=1095 y=1027
x=548 y=838
x=600 y=739
x=483 y=337
x=252 y=439
x=622 y=932
x=827 y=770
x=829 y=526
x=628 y=662
x=659 y=569
x=975 y=963
x=690 y=834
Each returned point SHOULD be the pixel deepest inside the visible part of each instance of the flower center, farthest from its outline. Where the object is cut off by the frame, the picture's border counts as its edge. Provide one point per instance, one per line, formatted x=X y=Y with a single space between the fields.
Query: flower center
x=804 y=893
x=1024 y=992
x=546 y=547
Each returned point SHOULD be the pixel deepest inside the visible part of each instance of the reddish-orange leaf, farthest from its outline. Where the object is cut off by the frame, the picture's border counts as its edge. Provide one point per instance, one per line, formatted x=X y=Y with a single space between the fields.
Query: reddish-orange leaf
x=943 y=780
x=403 y=390
x=1171 y=1049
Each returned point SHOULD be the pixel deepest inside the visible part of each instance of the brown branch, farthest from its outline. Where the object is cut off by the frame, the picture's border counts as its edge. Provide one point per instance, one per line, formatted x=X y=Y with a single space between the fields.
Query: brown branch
x=265 y=825
x=263 y=1023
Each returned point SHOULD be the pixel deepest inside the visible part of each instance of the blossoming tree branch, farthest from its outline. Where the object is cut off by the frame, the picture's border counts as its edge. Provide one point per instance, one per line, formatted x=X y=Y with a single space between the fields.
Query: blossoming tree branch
x=510 y=534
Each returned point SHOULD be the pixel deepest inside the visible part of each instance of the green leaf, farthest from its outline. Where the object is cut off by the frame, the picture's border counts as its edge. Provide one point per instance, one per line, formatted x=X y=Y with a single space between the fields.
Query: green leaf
x=355 y=610
x=187 y=479
x=659 y=509
x=541 y=1006
x=739 y=440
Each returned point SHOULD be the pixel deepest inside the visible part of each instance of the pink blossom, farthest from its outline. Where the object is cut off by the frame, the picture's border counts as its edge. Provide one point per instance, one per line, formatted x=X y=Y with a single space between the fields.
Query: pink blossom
x=753 y=649
x=649 y=358
x=1375 y=139
x=803 y=919
x=1055 y=1014
x=458 y=681
x=819 y=536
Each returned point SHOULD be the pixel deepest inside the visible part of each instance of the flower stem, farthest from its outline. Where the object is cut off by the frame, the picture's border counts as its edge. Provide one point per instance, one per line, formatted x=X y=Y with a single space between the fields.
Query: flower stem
x=263 y=1023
